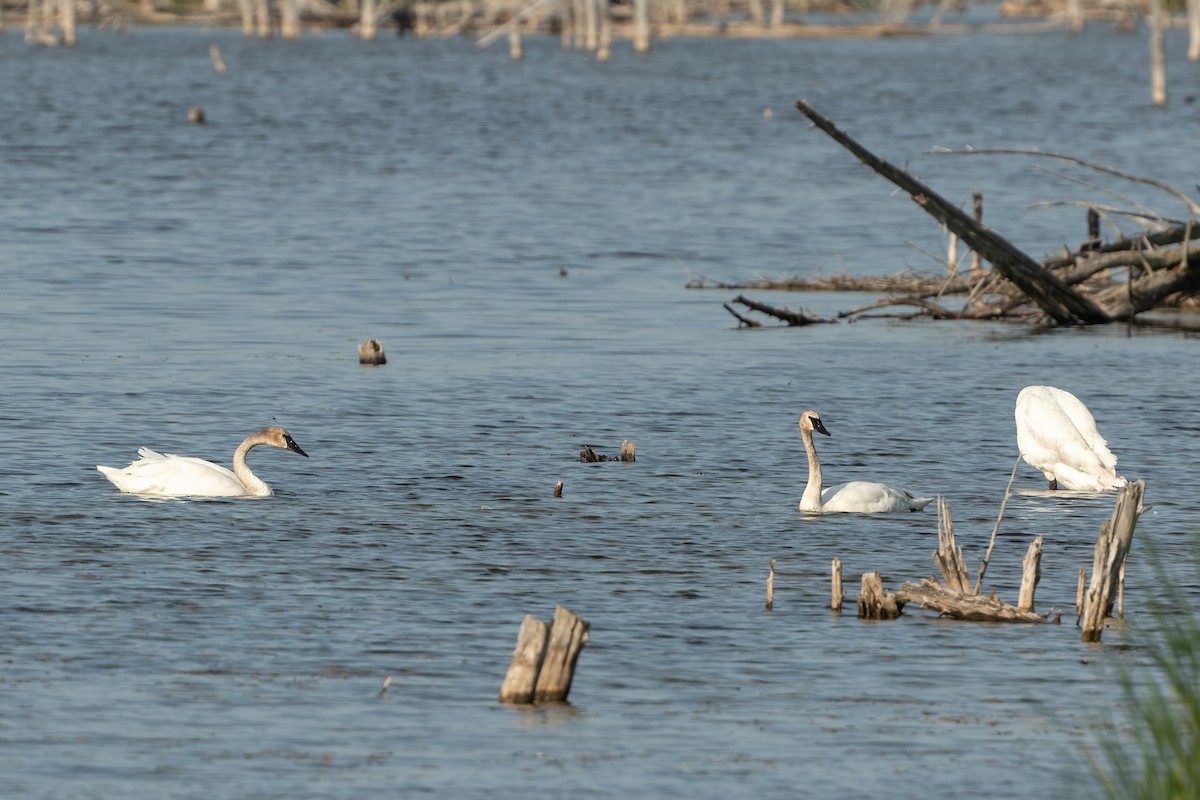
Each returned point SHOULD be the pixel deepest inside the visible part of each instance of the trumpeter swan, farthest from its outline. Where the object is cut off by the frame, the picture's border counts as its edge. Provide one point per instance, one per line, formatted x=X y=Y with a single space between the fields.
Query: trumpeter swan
x=1057 y=435
x=862 y=497
x=170 y=475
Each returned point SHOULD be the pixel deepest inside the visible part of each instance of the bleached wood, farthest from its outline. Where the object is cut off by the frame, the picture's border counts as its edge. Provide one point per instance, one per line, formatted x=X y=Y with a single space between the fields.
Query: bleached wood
x=1031 y=574
x=873 y=602
x=371 y=353
x=838 y=593
x=1158 y=64
x=771 y=586
x=1112 y=546
x=519 y=682
x=949 y=558
x=641 y=25
x=628 y=451
x=568 y=634
x=1079 y=594
x=931 y=595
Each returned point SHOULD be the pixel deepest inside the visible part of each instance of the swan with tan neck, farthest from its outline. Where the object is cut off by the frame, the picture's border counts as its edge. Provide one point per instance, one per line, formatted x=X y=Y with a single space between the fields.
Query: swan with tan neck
x=862 y=497
x=169 y=475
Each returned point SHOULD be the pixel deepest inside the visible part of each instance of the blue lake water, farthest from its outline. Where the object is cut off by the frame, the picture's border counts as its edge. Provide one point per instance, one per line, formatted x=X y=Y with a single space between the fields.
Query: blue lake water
x=519 y=235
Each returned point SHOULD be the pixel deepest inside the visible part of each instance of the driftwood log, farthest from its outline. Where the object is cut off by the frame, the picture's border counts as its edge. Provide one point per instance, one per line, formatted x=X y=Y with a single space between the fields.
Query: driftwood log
x=956 y=597
x=1163 y=264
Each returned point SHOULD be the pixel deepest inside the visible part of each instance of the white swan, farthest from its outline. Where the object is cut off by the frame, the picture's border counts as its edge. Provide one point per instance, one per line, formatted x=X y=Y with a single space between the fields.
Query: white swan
x=183 y=476
x=1057 y=435
x=862 y=497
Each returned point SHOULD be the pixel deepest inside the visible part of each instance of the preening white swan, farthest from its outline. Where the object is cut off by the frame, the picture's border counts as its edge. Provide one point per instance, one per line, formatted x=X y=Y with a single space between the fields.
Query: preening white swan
x=862 y=497
x=1057 y=435
x=183 y=476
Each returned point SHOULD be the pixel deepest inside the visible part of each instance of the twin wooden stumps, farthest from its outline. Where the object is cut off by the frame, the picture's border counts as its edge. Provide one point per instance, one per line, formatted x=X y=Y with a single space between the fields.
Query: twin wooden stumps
x=543 y=662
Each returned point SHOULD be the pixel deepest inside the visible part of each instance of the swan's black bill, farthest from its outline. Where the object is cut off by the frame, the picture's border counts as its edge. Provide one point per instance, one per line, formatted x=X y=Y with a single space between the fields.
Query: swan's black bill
x=819 y=426
x=291 y=445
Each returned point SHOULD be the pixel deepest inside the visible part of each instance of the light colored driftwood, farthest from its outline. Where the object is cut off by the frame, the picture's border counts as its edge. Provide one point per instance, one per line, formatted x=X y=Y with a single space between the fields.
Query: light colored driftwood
x=771 y=586
x=996 y=528
x=1045 y=289
x=1112 y=546
x=558 y=487
x=931 y=595
x=1079 y=595
x=368 y=22
x=1121 y=592
x=371 y=353
x=519 y=682
x=641 y=26
x=874 y=602
x=514 y=43
x=604 y=40
x=949 y=558
x=628 y=451
x=838 y=593
x=67 y=21
x=1193 y=24
x=387 y=682
x=1030 y=575
x=1158 y=64
x=568 y=634
x=215 y=54
x=289 y=19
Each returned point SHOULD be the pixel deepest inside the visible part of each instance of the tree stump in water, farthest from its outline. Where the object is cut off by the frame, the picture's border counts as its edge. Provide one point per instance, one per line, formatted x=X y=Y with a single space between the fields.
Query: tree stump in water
x=543 y=662
x=371 y=353
x=1112 y=546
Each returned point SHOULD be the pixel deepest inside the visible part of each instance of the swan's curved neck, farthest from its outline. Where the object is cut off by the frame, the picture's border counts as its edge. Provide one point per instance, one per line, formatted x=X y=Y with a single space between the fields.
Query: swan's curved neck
x=254 y=484
x=811 y=500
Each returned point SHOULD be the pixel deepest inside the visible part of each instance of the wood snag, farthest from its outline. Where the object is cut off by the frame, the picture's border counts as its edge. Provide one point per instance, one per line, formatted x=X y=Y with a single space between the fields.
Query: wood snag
x=1112 y=546
x=371 y=353
x=543 y=662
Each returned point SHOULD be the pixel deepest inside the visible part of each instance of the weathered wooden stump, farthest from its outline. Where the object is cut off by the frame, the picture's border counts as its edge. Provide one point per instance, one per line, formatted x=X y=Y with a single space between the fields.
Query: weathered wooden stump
x=873 y=602
x=558 y=487
x=771 y=586
x=1112 y=546
x=1031 y=575
x=628 y=451
x=371 y=353
x=838 y=594
x=543 y=662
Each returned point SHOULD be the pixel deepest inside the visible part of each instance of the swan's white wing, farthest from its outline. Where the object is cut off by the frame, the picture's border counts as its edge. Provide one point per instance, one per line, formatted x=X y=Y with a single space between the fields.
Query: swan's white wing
x=1057 y=435
x=865 y=497
x=1081 y=417
x=174 y=476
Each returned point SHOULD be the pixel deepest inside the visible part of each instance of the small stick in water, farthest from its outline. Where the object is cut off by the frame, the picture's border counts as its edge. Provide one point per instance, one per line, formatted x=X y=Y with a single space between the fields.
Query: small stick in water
x=558 y=489
x=771 y=586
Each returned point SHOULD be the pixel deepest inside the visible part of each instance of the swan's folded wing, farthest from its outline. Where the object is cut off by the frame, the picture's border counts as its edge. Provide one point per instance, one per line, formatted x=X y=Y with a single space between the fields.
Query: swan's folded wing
x=1081 y=417
x=174 y=476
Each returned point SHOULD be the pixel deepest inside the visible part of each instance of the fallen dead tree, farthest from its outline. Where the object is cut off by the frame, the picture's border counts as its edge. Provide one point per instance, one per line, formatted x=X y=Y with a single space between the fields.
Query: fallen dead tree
x=1075 y=288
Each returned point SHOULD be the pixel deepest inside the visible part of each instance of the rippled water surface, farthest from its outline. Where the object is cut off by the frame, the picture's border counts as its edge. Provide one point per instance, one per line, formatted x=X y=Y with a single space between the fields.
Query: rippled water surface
x=519 y=236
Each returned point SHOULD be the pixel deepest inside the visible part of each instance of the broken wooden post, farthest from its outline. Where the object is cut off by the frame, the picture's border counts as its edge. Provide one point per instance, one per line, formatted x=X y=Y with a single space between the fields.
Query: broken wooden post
x=1112 y=546
x=1158 y=68
x=558 y=487
x=215 y=54
x=526 y=662
x=628 y=451
x=568 y=634
x=1079 y=595
x=976 y=261
x=514 y=42
x=1031 y=574
x=771 y=586
x=873 y=602
x=949 y=557
x=67 y=21
x=838 y=595
x=371 y=353
x=641 y=26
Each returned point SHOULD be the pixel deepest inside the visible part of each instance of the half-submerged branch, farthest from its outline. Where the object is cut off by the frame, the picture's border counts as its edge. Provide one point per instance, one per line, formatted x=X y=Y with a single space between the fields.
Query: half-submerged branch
x=1069 y=289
